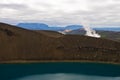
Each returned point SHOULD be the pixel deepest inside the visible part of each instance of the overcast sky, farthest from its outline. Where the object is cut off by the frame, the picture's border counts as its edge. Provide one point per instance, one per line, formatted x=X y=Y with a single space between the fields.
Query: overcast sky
x=61 y=12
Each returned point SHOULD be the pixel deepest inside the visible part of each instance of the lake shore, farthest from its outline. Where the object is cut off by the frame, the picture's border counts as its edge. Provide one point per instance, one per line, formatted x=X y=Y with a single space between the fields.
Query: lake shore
x=54 y=61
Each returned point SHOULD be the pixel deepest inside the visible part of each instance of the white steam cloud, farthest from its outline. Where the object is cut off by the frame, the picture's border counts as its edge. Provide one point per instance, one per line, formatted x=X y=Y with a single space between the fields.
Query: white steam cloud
x=61 y=76
x=90 y=32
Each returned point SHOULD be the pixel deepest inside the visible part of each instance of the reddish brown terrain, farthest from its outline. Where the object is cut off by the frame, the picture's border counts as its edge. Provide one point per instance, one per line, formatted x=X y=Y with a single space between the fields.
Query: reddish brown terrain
x=18 y=44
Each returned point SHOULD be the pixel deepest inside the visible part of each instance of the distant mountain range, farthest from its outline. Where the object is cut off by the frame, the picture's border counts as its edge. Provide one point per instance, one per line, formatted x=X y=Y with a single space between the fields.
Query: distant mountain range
x=42 y=26
x=109 y=33
x=117 y=29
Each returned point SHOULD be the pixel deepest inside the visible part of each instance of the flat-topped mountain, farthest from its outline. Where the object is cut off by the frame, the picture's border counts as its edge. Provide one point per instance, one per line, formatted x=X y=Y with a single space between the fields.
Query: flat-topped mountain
x=34 y=26
x=18 y=44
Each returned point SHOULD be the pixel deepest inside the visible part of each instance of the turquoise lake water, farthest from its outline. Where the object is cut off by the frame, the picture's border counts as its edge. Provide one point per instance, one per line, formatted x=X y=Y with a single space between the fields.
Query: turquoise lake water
x=60 y=71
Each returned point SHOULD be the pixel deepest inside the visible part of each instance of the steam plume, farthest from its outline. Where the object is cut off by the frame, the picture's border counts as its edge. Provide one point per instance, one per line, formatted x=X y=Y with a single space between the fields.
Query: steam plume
x=89 y=31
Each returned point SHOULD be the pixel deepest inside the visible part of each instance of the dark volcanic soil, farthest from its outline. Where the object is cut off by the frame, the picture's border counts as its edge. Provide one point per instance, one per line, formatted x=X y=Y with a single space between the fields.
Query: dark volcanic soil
x=21 y=44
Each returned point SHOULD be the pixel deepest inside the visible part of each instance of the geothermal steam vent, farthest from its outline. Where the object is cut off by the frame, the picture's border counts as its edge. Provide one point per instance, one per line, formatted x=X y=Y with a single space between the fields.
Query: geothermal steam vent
x=90 y=32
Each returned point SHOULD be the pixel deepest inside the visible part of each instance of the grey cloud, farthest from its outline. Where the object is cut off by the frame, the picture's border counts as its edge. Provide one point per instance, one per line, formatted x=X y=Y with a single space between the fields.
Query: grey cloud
x=101 y=12
x=22 y=11
x=13 y=6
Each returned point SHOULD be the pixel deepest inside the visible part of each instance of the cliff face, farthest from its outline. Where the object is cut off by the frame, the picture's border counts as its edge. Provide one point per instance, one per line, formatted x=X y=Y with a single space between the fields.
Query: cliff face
x=21 y=44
